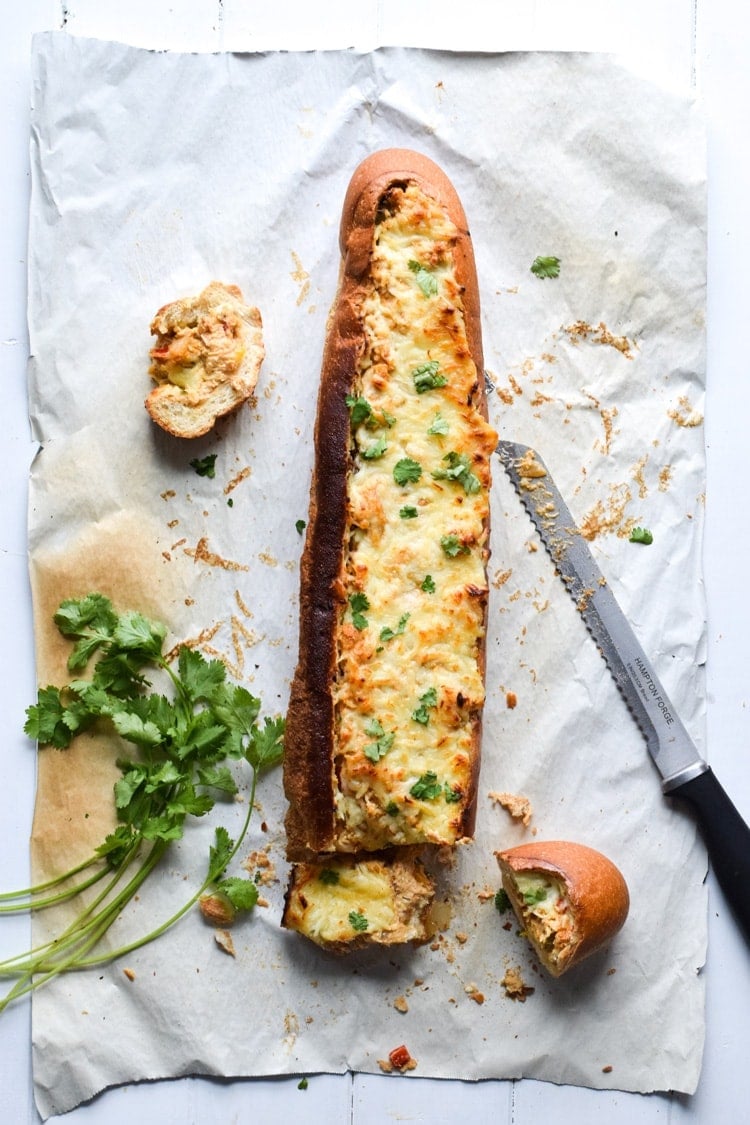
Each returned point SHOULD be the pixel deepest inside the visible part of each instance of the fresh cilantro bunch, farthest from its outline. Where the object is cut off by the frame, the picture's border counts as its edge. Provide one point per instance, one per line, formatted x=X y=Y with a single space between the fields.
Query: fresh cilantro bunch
x=178 y=765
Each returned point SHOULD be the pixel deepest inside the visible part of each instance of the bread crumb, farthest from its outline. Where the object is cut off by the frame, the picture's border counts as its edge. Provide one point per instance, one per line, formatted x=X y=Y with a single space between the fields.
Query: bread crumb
x=401 y=1004
x=514 y=985
x=511 y=699
x=474 y=994
x=462 y=938
x=518 y=806
x=129 y=974
x=606 y=1070
x=223 y=939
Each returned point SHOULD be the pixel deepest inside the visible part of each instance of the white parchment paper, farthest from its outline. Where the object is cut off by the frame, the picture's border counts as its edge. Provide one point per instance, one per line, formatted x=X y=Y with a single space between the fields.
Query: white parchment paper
x=154 y=173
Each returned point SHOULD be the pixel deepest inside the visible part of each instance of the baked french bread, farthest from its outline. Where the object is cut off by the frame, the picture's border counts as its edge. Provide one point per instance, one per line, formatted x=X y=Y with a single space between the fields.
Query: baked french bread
x=570 y=899
x=205 y=361
x=384 y=720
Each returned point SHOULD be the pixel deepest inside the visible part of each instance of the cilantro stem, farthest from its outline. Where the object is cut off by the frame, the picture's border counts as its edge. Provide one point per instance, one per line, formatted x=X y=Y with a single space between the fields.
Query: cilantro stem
x=34 y=902
x=28 y=892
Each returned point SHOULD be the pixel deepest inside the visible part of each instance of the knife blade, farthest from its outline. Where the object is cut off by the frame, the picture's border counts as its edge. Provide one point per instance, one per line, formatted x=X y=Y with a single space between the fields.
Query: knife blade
x=683 y=771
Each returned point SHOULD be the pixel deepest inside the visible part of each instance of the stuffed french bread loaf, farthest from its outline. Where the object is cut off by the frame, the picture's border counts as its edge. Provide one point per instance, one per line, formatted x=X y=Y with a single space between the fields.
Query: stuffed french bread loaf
x=384 y=720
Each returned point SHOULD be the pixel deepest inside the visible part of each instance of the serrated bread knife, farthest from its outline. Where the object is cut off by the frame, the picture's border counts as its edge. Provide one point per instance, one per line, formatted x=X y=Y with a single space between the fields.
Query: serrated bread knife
x=683 y=771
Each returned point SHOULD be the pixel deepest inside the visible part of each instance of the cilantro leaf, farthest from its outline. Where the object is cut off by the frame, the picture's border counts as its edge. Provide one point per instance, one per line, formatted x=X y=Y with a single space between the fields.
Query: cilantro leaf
x=328 y=876
x=242 y=893
x=426 y=377
x=501 y=900
x=424 y=278
x=458 y=469
x=45 y=720
x=201 y=679
x=358 y=603
x=205 y=466
x=438 y=427
x=426 y=703
x=545 y=267
x=407 y=471
x=359 y=409
x=375 y=451
x=357 y=921
x=265 y=748
x=452 y=546
x=387 y=633
x=300 y=526
x=408 y=512
x=428 y=584
x=427 y=787
x=219 y=854
x=641 y=535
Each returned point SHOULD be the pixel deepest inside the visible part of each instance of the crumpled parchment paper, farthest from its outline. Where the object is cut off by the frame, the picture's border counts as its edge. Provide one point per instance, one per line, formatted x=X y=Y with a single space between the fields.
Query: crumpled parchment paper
x=154 y=173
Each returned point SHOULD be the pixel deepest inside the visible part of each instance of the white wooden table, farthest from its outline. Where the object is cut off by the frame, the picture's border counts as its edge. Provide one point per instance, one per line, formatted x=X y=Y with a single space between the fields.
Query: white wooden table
x=686 y=44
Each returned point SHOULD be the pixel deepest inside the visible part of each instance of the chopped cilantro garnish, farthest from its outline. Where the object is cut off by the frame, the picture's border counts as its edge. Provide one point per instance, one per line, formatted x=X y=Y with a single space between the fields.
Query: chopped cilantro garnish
x=406 y=471
x=424 y=278
x=438 y=427
x=427 y=788
x=329 y=876
x=358 y=603
x=300 y=525
x=459 y=469
x=426 y=702
x=302 y=1084
x=374 y=451
x=408 y=512
x=641 y=535
x=546 y=267
x=453 y=546
x=359 y=409
x=428 y=584
x=451 y=795
x=426 y=377
x=205 y=466
x=502 y=902
x=392 y=808
x=532 y=897
x=387 y=633
x=358 y=921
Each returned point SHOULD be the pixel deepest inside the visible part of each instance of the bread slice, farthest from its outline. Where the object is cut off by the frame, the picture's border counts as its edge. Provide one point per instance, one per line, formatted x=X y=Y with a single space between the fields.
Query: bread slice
x=384 y=720
x=570 y=899
x=346 y=903
x=206 y=359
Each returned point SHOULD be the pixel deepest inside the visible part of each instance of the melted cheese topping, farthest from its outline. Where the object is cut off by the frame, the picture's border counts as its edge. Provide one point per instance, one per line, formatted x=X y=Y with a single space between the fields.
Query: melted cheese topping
x=547 y=915
x=409 y=691
x=344 y=903
x=201 y=340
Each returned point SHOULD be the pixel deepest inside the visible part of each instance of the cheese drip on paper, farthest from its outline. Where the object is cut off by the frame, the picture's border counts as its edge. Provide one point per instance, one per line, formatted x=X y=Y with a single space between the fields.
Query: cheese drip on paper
x=409 y=689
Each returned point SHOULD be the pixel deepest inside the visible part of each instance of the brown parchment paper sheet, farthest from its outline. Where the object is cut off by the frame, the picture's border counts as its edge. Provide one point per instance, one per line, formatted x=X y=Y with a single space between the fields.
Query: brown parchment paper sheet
x=154 y=173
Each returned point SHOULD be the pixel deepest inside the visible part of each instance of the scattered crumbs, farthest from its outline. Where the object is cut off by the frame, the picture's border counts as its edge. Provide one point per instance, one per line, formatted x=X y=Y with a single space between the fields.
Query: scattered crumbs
x=501 y=577
x=532 y=547
x=684 y=414
x=129 y=973
x=609 y=518
x=242 y=475
x=486 y=895
x=262 y=867
x=462 y=938
x=263 y=902
x=610 y=972
x=168 y=495
x=665 y=478
x=515 y=986
x=418 y=982
x=301 y=276
x=173 y=524
x=599 y=334
x=201 y=553
x=267 y=558
x=474 y=994
x=511 y=699
x=638 y=476
x=189 y=602
x=548 y=357
x=223 y=939
x=518 y=806
x=606 y=1069
x=401 y=1004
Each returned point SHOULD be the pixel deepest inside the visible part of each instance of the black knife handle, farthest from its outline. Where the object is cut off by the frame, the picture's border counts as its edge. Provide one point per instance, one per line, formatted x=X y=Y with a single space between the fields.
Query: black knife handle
x=727 y=839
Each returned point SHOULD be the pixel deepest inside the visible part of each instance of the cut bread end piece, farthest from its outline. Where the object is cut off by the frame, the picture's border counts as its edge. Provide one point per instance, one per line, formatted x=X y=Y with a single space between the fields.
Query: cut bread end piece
x=569 y=899
x=345 y=903
x=206 y=359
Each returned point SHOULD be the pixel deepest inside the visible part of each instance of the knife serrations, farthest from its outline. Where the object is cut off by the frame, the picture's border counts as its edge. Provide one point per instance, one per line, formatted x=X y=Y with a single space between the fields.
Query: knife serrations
x=669 y=744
